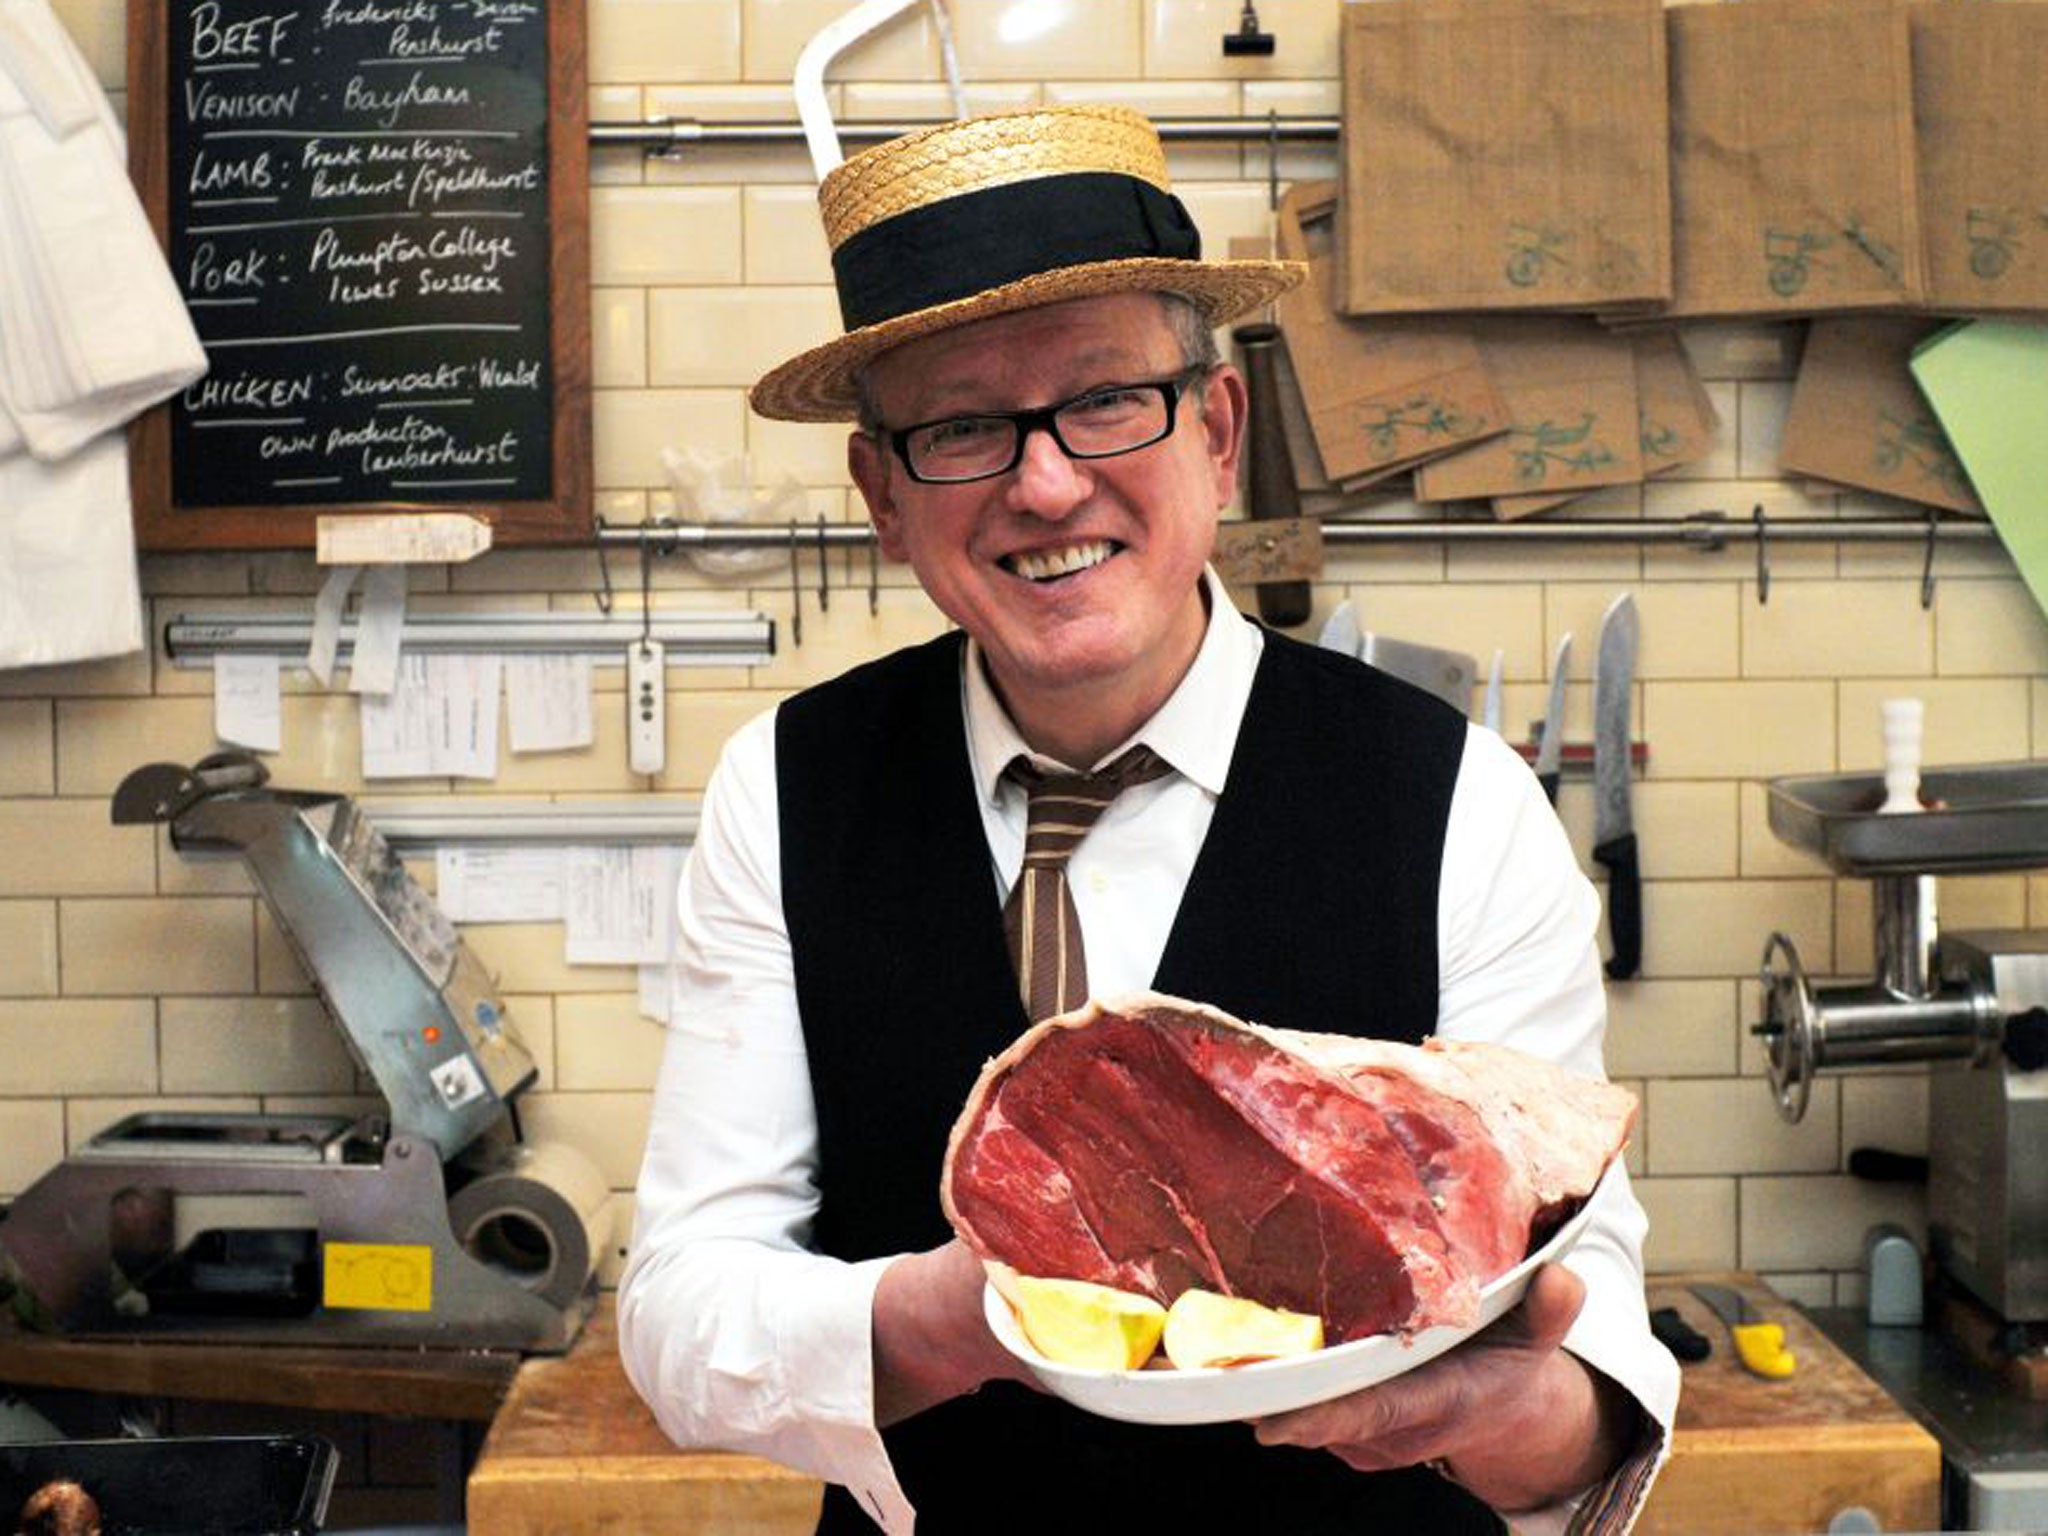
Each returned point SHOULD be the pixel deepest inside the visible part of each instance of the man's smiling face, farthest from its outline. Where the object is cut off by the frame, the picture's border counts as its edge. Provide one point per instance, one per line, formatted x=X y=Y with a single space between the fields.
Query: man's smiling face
x=1080 y=579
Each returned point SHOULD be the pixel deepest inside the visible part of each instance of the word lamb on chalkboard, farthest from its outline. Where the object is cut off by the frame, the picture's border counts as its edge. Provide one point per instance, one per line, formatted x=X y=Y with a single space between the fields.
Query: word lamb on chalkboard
x=377 y=212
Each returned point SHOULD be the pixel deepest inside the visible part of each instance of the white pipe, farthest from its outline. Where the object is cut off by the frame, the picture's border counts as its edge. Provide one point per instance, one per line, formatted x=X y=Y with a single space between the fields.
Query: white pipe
x=831 y=40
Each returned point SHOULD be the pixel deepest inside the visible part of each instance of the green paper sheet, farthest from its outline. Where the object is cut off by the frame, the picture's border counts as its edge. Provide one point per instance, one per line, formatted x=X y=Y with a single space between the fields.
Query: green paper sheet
x=1988 y=383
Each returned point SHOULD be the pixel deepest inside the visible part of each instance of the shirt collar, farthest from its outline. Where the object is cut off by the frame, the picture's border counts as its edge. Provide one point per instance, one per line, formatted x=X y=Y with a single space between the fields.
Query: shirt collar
x=1195 y=729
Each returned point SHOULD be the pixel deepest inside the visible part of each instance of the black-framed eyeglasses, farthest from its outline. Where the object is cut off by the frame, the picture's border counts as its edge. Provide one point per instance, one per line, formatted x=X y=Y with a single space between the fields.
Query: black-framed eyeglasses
x=1110 y=420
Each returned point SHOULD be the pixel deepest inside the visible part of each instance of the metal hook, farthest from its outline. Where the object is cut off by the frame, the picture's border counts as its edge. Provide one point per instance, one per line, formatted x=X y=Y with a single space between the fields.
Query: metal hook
x=646 y=586
x=1927 y=568
x=604 y=573
x=796 y=591
x=824 y=570
x=874 y=576
x=1763 y=554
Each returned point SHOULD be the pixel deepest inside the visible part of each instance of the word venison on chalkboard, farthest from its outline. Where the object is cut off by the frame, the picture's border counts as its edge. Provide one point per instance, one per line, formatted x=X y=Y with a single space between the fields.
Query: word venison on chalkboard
x=376 y=212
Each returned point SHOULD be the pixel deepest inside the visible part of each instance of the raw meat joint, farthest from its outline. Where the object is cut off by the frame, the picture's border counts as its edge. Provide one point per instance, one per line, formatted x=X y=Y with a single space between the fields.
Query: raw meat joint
x=1155 y=1144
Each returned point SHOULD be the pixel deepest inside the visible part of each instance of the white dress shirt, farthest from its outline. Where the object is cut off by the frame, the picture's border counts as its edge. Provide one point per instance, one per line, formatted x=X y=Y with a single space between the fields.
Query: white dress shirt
x=740 y=1338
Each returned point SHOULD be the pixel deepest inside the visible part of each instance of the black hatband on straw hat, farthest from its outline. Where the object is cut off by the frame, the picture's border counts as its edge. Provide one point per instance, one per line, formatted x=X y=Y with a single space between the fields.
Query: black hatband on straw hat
x=993 y=214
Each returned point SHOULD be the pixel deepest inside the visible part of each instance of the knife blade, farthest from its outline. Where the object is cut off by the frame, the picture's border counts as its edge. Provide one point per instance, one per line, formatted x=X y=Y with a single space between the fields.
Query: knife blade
x=1550 y=750
x=1614 y=835
x=1340 y=630
x=1759 y=1345
x=1449 y=675
x=1489 y=709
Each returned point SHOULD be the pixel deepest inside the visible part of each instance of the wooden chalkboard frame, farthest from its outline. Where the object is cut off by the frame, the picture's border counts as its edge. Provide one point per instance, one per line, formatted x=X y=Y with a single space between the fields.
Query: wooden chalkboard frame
x=564 y=516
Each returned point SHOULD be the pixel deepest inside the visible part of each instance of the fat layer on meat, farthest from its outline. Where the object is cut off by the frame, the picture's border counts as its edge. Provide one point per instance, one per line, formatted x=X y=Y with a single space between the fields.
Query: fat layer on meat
x=1155 y=1144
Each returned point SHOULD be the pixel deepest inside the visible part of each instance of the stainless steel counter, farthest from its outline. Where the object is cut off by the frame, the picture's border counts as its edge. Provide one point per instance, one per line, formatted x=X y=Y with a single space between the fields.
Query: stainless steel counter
x=1994 y=1443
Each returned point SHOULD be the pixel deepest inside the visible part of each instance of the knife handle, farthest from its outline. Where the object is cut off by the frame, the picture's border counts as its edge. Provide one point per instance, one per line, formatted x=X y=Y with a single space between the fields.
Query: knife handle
x=1549 y=783
x=1763 y=1351
x=1272 y=491
x=1679 y=1336
x=1624 y=904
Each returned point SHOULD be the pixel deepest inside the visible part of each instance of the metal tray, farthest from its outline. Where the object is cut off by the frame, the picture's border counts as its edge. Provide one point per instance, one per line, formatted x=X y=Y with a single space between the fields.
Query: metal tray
x=223 y=1485
x=1986 y=817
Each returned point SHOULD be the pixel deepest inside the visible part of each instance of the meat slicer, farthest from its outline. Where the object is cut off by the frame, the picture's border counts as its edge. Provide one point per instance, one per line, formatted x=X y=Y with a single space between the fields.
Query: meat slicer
x=432 y=1223
x=1977 y=1002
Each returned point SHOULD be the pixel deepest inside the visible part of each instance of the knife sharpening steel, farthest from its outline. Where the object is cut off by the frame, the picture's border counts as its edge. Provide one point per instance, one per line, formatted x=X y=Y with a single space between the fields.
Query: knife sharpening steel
x=1977 y=1002
x=429 y=1225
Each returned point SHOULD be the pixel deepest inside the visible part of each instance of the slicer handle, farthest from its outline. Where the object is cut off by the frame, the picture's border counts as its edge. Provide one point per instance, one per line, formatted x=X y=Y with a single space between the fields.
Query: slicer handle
x=1903 y=720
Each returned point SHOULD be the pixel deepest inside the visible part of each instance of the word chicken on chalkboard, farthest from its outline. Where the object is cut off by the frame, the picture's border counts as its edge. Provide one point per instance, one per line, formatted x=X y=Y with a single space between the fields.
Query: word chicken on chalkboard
x=377 y=213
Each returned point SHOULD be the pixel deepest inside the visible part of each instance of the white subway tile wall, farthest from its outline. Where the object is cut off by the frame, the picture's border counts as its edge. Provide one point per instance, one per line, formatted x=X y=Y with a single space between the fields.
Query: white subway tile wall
x=133 y=977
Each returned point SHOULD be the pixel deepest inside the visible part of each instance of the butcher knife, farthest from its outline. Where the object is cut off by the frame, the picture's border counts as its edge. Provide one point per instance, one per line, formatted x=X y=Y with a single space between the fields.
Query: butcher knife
x=1489 y=708
x=1447 y=674
x=1759 y=1345
x=1614 y=833
x=1550 y=750
x=1340 y=630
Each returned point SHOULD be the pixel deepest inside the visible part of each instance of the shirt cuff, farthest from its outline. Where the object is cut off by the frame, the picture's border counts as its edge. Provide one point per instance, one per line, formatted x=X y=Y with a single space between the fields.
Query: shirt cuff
x=1610 y=1506
x=841 y=1443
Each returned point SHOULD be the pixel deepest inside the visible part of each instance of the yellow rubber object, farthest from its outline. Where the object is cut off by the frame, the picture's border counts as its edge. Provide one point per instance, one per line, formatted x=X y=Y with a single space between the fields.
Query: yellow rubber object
x=1206 y=1329
x=1762 y=1348
x=1080 y=1323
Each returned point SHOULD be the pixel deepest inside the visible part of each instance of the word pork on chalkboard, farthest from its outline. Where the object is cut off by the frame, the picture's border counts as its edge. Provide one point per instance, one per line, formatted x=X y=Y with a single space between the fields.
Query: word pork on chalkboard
x=375 y=210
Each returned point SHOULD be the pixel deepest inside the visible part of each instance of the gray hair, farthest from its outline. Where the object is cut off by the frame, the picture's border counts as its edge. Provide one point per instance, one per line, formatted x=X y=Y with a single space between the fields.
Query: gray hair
x=1191 y=332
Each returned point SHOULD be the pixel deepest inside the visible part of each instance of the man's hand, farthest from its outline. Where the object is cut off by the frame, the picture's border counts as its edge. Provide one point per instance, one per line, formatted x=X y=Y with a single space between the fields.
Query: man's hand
x=932 y=1341
x=1508 y=1413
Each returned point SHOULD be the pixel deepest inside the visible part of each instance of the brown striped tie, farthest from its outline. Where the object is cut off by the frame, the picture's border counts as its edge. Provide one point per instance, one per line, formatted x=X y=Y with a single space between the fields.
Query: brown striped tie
x=1039 y=919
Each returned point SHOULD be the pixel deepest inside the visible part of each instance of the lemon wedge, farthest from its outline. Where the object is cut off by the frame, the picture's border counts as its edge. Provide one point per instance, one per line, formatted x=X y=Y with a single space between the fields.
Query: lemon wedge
x=1207 y=1329
x=1077 y=1322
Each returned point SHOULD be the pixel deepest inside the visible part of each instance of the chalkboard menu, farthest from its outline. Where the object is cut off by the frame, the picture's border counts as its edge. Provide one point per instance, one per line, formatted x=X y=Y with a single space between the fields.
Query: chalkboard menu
x=377 y=212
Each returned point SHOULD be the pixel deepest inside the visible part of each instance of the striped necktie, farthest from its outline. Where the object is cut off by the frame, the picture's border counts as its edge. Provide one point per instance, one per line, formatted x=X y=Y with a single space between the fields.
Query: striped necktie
x=1039 y=920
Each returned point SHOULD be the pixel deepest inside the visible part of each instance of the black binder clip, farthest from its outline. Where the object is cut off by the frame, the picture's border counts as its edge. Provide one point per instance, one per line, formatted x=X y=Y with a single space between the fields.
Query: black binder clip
x=1247 y=40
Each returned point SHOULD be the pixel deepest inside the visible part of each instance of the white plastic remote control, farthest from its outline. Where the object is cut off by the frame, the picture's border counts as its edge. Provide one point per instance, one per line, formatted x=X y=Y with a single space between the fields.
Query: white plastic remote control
x=646 y=707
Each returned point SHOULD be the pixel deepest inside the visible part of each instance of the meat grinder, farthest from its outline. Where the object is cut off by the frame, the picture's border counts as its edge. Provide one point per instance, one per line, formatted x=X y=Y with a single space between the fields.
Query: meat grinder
x=1974 y=1002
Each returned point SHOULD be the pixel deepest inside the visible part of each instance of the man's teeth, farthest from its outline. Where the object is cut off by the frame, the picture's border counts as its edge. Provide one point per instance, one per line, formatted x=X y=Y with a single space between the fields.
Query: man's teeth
x=1043 y=565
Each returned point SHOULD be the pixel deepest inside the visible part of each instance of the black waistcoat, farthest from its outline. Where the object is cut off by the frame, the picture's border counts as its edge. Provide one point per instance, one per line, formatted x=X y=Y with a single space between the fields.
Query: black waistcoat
x=1312 y=906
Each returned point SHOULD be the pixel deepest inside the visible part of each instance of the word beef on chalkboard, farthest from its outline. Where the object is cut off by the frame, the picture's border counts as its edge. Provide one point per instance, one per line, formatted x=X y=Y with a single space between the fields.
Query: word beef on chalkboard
x=358 y=212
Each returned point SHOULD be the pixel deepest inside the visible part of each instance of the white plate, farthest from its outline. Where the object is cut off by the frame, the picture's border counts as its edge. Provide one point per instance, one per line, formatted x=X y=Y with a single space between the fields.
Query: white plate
x=1214 y=1395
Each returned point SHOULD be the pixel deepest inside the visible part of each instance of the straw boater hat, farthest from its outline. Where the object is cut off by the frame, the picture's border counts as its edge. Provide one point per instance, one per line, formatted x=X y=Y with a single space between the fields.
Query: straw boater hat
x=992 y=214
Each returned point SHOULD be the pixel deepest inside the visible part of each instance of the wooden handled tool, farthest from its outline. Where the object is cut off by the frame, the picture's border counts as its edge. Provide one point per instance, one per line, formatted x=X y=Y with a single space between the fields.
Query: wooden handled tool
x=1271 y=489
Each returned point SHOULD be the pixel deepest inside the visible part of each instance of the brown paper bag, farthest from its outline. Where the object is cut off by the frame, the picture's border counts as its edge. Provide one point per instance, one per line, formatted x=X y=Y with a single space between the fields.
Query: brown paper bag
x=1380 y=393
x=1981 y=117
x=1792 y=184
x=1570 y=389
x=1675 y=420
x=1504 y=154
x=1857 y=417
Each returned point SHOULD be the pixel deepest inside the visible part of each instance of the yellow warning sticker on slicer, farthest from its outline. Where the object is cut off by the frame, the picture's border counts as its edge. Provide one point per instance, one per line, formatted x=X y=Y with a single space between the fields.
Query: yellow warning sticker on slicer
x=383 y=1277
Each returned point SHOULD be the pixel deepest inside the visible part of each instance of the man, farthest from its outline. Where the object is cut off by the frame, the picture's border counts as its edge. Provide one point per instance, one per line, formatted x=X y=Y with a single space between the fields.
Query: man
x=1047 y=439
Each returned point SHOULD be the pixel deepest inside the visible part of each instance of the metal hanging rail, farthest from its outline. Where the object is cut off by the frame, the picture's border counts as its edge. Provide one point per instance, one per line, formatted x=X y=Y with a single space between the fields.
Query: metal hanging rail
x=1704 y=531
x=671 y=134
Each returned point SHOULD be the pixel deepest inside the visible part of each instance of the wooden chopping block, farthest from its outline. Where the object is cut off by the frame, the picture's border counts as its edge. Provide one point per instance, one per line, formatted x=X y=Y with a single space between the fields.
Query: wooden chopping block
x=575 y=1451
x=1751 y=1455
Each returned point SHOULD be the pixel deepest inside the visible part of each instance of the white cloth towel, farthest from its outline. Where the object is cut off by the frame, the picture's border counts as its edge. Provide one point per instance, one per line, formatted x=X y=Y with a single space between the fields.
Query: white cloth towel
x=92 y=328
x=92 y=332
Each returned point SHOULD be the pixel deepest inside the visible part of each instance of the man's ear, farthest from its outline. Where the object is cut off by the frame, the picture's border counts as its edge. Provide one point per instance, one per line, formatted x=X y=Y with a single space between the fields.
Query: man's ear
x=1225 y=407
x=867 y=459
